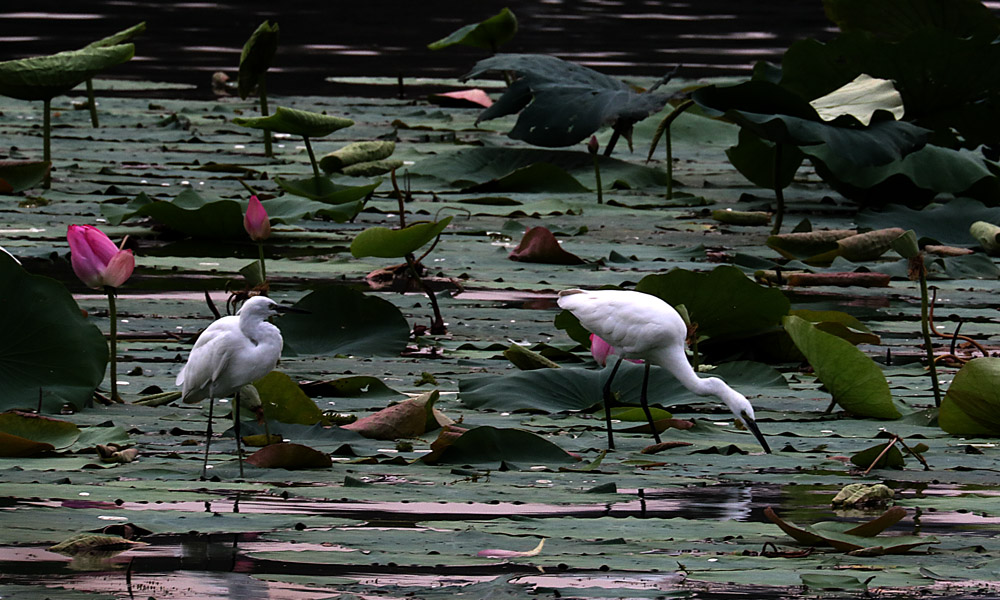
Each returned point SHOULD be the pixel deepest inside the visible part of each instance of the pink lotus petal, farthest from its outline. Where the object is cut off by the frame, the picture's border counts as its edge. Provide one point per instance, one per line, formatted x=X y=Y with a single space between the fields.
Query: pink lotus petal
x=475 y=97
x=256 y=221
x=95 y=258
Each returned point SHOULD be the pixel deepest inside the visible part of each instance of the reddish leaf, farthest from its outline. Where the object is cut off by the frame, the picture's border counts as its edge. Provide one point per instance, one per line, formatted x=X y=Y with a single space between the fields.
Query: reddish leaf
x=289 y=456
x=539 y=246
x=409 y=418
x=15 y=446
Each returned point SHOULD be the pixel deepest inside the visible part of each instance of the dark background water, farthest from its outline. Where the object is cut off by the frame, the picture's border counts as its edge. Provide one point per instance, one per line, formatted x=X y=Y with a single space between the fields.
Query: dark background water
x=188 y=41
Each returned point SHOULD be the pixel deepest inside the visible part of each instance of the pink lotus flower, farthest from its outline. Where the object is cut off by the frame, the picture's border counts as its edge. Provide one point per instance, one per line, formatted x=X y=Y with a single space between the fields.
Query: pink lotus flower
x=95 y=258
x=601 y=350
x=256 y=221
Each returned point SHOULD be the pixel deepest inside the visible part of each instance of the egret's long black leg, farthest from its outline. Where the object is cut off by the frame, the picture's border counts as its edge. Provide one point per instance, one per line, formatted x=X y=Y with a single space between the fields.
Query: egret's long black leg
x=607 y=397
x=236 y=429
x=208 y=438
x=645 y=403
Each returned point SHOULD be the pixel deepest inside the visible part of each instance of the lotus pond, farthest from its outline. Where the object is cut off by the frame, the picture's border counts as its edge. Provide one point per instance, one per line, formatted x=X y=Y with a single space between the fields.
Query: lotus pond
x=456 y=448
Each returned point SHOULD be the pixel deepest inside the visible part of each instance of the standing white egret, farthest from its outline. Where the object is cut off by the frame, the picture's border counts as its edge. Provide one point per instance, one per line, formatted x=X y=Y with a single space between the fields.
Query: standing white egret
x=232 y=352
x=643 y=326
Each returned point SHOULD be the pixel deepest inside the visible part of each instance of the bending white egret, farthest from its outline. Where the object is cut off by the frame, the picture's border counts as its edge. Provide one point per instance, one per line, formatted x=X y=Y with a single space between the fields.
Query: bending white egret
x=643 y=326
x=232 y=352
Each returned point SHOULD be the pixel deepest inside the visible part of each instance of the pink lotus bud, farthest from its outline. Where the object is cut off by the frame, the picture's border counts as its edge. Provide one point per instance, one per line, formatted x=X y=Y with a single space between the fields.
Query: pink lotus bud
x=95 y=258
x=592 y=145
x=256 y=222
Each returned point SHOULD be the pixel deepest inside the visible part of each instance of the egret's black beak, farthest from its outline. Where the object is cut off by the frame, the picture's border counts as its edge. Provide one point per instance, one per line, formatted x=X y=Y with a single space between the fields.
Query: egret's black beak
x=752 y=426
x=290 y=309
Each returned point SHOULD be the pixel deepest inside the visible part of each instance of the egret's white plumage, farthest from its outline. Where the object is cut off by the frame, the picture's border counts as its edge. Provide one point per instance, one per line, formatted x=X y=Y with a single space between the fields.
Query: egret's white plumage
x=232 y=352
x=643 y=326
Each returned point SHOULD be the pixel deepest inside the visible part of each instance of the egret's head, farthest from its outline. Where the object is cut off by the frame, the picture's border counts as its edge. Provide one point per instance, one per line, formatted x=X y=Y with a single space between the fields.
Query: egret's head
x=259 y=307
x=743 y=411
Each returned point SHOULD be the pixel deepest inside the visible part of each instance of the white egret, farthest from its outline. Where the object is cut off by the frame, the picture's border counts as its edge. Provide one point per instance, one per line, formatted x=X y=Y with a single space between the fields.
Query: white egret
x=643 y=326
x=232 y=352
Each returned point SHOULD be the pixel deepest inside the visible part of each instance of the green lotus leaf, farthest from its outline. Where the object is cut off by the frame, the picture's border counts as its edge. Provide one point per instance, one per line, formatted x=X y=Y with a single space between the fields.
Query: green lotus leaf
x=856 y=383
x=383 y=242
x=946 y=223
x=296 y=122
x=897 y=19
x=975 y=393
x=355 y=153
x=360 y=325
x=49 y=350
x=578 y=389
x=323 y=190
x=255 y=60
x=489 y=34
x=754 y=158
x=531 y=170
x=283 y=400
x=26 y=434
x=892 y=459
x=839 y=324
x=563 y=103
x=779 y=115
x=117 y=38
x=724 y=302
x=19 y=175
x=44 y=77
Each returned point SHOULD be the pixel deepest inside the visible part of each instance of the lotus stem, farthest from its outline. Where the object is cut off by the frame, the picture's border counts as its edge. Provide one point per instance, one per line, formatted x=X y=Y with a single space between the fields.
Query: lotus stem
x=262 y=90
x=92 y=104
x=779 y=194
x=597 y=176
x=312 y=157
x=46 y=144
x=113 y=342
x=437 y=326
x=260 y=257
x=669 y=145
x=926 y=330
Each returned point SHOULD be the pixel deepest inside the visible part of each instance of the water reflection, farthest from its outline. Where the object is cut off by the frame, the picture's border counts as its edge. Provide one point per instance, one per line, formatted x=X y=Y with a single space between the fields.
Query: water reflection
x=186 y=41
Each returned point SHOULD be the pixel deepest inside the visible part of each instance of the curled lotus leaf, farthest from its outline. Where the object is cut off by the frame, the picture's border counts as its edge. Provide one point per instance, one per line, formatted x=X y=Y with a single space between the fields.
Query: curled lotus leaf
x=296 y=122
x=44 y=77
x=256 y=57
x=383 y=242
x=489 y=34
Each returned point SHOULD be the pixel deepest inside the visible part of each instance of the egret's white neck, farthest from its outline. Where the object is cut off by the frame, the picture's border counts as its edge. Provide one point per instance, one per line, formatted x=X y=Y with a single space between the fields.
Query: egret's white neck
x=257 y=330
x=674 y=359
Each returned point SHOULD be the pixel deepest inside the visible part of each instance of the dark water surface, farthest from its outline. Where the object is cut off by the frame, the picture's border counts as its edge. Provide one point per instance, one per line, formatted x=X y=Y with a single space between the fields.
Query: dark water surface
x=187 y=41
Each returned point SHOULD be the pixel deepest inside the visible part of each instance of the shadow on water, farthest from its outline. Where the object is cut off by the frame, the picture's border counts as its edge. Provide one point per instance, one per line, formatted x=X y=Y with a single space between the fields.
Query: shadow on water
x=187 y=41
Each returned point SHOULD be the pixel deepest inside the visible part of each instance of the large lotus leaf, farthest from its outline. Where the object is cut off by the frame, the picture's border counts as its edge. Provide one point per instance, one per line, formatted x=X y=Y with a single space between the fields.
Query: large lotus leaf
x=488 y=35
x=754 y=158
x=383 y=242
x=577 y=389
x=778 y=115
x=505 y=169
x=19 y=175
x=44 y=77
x=283 y=400
x=323 y=190
x=723 y=302
x=897 y=19
x=495 y=446
x=341 y=320
x=913 y=180
x=117 y=38
x=48 y=349
x=950 y=85
x=255 y=60
x=296 y=122
x=569 y=102
x=946 y=223
x=26 y=434
x=975 y=391
x=854 y=380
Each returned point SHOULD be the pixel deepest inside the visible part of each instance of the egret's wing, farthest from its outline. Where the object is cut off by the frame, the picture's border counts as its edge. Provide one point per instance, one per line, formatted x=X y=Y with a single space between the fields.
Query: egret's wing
x=630 y=321
x=203 y=363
